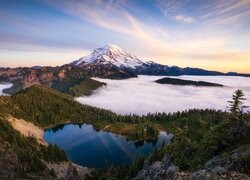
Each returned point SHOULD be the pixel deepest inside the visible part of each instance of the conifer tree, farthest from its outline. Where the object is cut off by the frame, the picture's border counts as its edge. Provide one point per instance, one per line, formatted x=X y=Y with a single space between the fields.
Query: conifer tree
x=238 y=125
x=236 y=106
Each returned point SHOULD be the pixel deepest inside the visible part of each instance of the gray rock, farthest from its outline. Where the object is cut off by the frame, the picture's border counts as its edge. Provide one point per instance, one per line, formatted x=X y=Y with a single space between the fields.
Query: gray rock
x=235 y=155
x=158 y=176
x=166 y=161
x=155 y=167
x=226 y=166
x=142 y=174
x=218 y=170
x=157 y=171
x=231 y=161
x=198 y=175
x=172 y=170
x=72 y=173
x=146 y=164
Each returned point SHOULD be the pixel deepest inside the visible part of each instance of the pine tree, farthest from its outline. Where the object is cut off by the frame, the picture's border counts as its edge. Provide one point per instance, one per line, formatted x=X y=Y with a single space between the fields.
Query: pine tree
x=236 y=106
x=238 y=126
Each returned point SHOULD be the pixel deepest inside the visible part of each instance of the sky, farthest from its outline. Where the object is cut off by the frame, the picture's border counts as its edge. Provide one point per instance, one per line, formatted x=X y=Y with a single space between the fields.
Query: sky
x=209 y=34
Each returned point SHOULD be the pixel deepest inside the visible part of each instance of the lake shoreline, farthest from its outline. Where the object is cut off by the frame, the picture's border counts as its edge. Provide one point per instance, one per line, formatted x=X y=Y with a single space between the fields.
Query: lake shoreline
x=87 y=134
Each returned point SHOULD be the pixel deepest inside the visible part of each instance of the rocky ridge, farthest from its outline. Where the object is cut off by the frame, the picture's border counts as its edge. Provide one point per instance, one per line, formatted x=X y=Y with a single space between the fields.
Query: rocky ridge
x=226 y=166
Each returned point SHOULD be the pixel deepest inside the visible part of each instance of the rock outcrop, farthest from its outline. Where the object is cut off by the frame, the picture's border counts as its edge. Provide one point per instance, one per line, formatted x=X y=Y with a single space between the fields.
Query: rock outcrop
x=236 y=160
x=68 y=170
x=60 y=78
x=233 y=165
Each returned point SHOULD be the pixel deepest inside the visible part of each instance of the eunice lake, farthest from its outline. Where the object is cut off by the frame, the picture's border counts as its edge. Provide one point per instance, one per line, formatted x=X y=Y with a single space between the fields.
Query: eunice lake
x=91 y=148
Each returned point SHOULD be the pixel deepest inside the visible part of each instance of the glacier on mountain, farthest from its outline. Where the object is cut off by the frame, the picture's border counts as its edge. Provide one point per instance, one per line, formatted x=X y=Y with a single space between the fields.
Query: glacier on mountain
x=110 y=54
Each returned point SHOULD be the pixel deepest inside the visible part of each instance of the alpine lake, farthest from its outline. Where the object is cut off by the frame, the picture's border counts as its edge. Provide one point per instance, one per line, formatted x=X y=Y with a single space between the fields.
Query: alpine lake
x=91 y=148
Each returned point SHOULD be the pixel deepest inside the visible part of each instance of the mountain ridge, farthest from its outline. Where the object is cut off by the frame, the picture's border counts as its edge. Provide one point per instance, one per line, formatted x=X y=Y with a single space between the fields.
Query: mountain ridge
x=111 y=55
x=110 y=62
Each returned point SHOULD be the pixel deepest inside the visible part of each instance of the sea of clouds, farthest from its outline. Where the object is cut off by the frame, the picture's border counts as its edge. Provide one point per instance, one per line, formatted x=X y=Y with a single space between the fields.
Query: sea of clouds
x=4 y=86
x=142 y=95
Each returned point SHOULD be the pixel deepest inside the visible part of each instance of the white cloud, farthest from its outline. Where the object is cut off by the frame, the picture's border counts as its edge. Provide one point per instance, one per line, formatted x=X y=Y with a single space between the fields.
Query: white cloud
x=4 y=86
x=141 y=95
x=184 y=19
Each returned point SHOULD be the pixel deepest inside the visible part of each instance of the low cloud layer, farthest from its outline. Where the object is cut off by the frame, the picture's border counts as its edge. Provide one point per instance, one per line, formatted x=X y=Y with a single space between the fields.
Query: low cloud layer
x=142 y=95
x=4 y=86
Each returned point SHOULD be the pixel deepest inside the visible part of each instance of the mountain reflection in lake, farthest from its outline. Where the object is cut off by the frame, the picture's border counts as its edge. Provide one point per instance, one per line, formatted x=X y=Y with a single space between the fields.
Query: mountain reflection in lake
x=87 y=147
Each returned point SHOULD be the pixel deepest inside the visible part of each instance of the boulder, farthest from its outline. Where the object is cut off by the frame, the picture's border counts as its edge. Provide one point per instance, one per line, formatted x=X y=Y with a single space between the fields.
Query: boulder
x=142 y=174
x=172 y=170
x=218 y=170
x=166 y=161
x=145 y=164
x=155 y=168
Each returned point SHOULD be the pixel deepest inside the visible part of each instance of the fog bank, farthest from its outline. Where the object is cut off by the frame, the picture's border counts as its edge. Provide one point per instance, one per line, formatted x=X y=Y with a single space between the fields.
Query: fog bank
x=4 y=86
x=142 y=95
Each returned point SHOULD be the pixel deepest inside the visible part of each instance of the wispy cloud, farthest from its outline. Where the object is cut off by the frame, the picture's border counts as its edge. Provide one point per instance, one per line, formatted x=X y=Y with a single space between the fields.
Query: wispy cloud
x=184 y=19
x=213 y=12
x=171 y=7
x=154 y=40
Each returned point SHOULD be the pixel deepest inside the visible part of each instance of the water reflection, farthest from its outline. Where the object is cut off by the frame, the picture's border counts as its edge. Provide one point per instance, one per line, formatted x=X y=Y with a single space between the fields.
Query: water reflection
x=88 y=147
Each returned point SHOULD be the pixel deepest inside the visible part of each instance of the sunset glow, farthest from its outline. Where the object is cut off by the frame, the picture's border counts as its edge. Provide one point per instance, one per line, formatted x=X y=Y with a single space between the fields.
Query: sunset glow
x=207 y=34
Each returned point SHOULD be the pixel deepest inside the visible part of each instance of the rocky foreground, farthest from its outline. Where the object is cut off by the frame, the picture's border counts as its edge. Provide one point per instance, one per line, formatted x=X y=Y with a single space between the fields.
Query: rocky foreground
x=226 y=166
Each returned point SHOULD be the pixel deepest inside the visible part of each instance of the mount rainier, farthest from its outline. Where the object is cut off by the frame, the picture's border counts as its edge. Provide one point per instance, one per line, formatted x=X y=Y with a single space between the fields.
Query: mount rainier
x=111 y=57
x=110 y=54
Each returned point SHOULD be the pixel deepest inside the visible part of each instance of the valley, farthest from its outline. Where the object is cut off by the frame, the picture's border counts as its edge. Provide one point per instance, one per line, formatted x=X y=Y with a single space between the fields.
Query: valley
x=124 y=90
x=111 y=97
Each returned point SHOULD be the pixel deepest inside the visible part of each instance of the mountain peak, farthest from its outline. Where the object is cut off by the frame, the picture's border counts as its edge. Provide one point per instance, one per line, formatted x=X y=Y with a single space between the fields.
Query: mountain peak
x=112 y=47
x=110 y=54
x=109 y=49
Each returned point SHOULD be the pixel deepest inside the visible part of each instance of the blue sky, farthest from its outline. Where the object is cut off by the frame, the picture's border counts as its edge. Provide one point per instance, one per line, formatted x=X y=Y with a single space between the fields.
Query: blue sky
x=210 y=34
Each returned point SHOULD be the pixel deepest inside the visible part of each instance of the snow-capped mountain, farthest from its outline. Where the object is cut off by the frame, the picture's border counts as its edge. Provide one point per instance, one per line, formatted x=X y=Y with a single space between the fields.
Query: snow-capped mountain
x=111 y=61
x=110 y=54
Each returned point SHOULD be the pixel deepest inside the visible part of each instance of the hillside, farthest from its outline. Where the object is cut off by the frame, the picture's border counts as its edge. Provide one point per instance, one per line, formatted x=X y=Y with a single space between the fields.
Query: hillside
x=64 y=79
x=46 y=107
x=23 y=157
x=199 y=134
x=207 y=144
